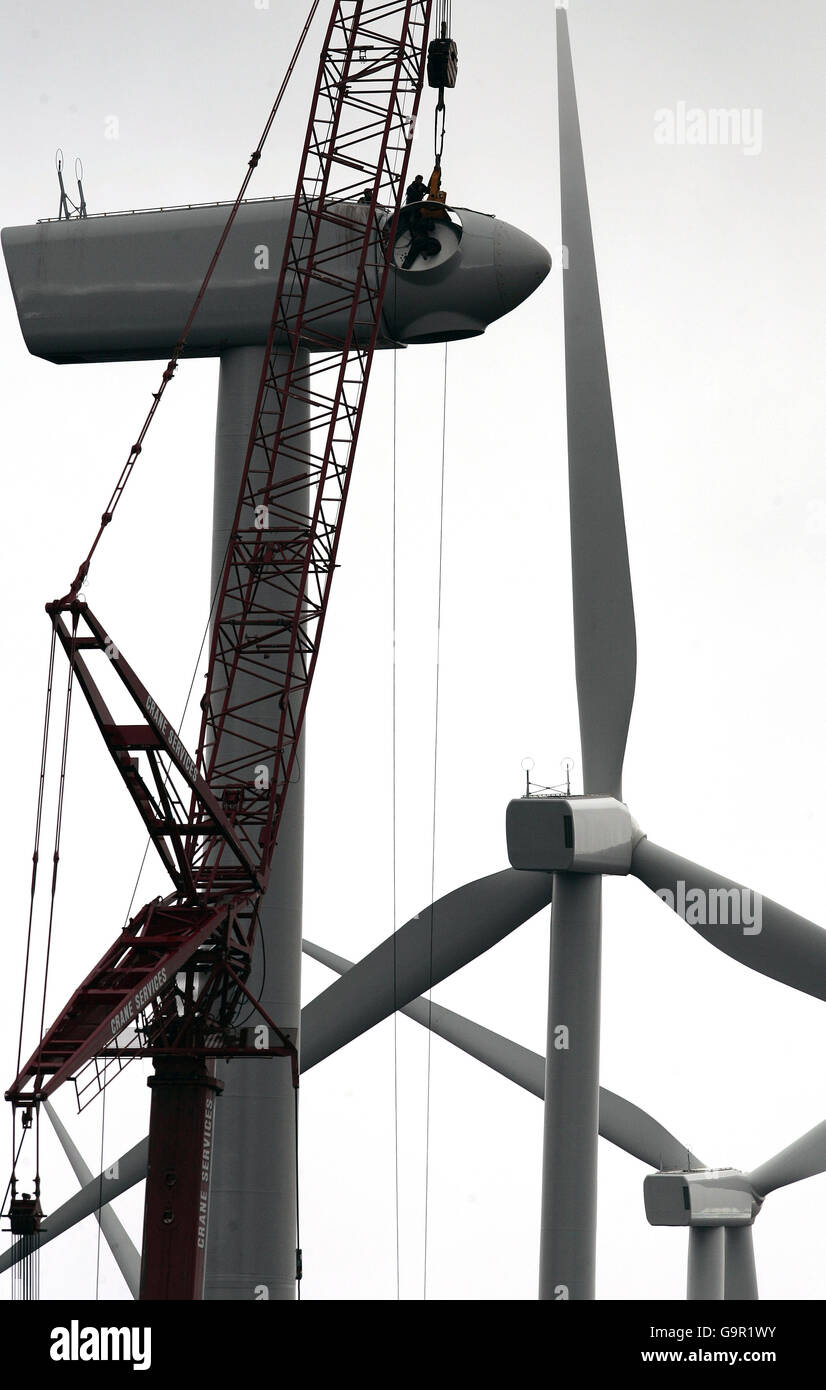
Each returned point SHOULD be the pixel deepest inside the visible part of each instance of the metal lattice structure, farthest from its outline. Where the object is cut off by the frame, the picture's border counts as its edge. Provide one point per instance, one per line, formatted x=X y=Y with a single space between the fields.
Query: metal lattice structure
x=279 y=568
x=278 y=571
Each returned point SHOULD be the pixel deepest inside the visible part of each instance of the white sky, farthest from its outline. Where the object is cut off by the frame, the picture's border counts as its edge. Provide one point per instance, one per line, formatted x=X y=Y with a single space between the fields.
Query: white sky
x=712 y=283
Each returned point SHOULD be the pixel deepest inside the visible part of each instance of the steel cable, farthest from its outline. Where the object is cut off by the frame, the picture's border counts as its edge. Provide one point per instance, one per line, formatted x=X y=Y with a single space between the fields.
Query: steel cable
x=100 y=1193
x=433 y=825
x=59 y=820
x=393 y=822
x=38 y=823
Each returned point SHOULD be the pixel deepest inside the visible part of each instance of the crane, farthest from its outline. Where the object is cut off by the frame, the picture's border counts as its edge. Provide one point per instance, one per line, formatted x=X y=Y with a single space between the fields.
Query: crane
x=173 y=984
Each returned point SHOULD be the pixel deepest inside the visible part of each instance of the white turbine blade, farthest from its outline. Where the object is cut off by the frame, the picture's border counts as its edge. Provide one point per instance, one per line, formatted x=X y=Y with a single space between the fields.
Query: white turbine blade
x=639 y=1134
x=517 y=1063
x=440 y=940
x=620 y=1122
x=740 y=1273
x=805 y=1158
x=114 y=1233
x=604 y=628
x=755 y=931
x=131 y=1169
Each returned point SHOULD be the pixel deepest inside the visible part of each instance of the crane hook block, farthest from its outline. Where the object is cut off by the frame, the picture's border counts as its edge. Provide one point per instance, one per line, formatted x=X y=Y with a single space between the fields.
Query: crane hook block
x=435 y=192
x=25 y=1216
x=442 y=63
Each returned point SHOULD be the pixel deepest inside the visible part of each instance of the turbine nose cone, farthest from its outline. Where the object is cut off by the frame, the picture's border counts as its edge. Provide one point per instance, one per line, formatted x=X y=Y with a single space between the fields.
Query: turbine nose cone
x=521 y=264
x=488 y=268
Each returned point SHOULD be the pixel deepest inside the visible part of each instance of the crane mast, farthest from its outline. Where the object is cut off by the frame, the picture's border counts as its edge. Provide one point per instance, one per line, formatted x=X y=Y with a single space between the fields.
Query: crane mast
x=172 y=985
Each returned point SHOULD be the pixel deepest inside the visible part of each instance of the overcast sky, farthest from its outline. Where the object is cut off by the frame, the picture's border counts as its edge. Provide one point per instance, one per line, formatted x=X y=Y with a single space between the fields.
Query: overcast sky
x=711 y=270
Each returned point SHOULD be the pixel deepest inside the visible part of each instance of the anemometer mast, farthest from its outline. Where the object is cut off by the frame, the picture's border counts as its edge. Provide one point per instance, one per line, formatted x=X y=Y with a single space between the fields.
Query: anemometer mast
x=173 y=984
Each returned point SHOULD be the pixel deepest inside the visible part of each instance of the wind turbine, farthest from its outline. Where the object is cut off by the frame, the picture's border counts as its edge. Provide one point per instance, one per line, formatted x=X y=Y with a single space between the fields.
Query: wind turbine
x=571 y=841
x=578 y=839
x=719 y=1206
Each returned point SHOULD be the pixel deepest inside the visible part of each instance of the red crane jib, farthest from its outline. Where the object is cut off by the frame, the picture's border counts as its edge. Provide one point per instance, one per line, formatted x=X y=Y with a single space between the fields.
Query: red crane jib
x=128 y=979
x=144 y=960
x=173 y=789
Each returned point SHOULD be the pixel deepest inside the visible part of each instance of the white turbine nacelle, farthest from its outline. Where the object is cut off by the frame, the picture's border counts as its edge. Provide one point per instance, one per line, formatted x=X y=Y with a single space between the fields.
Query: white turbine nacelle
x=711 y=1197
x=119 y=287
x=571 y=834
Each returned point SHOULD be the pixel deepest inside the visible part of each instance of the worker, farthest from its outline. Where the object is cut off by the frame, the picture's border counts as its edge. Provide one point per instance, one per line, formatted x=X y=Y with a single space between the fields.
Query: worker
x=417 y=191
x=367 y=196
x=422 y=243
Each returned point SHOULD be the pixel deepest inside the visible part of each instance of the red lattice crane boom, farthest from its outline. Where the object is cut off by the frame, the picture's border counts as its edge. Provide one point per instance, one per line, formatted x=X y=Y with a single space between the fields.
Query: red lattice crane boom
x=174 y=980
